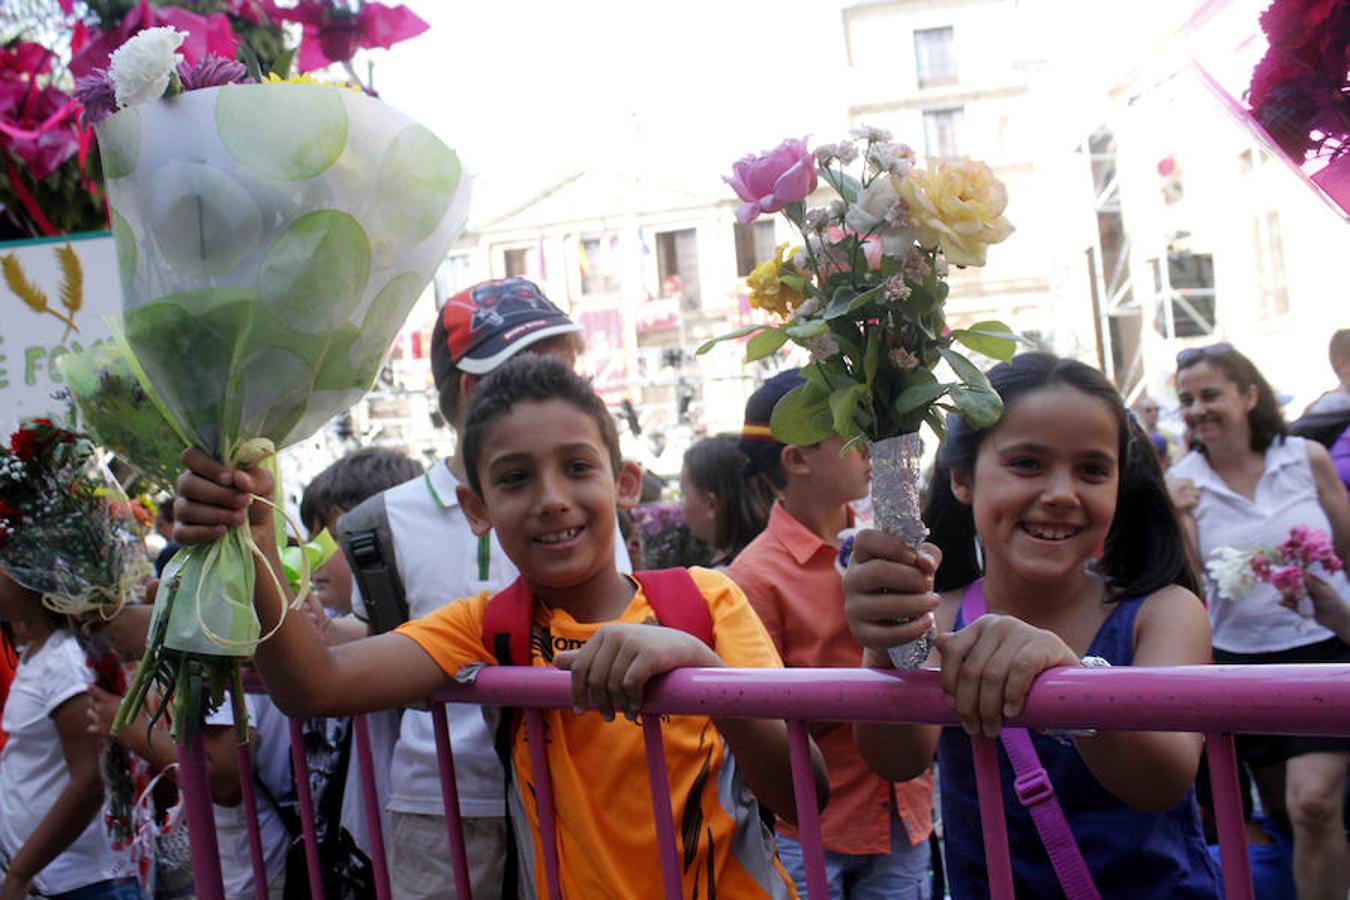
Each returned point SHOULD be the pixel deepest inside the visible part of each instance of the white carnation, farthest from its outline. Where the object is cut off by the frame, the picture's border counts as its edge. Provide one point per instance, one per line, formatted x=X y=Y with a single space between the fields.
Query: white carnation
x=140 y=68
x=1230 y=569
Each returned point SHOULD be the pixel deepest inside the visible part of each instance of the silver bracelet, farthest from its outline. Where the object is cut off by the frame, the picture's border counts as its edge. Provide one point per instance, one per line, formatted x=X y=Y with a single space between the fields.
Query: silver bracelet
x=1066 y=735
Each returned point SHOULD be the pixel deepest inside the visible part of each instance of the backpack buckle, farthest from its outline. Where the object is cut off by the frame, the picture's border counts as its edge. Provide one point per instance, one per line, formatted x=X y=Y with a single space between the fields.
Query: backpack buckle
x=1033 y=787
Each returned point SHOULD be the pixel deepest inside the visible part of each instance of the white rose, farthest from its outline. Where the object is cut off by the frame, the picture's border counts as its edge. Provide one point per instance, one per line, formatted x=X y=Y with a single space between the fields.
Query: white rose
x=1231 y=571
x=875 y=204
x=140 y=68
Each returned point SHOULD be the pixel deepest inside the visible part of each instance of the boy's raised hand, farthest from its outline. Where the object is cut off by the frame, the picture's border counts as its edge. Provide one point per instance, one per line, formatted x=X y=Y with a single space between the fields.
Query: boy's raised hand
x=612 y=669
x=213 y=497
x=888 y=592
x=988 y=667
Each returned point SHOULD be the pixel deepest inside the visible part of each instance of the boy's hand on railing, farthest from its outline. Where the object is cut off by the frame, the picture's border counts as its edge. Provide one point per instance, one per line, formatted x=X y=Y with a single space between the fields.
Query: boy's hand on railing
x=888 y=592
x=612 y=669
x=988 y=668
x=212 y=498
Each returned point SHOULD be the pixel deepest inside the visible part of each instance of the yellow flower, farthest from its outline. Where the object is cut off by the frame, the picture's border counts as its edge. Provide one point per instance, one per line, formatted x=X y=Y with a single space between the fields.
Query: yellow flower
x=957 y=205
x=767 y=291
x=303 y=78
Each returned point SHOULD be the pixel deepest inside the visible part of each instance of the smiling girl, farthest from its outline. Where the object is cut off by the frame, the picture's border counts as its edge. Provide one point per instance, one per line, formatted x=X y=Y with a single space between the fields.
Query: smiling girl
x=1056 y=522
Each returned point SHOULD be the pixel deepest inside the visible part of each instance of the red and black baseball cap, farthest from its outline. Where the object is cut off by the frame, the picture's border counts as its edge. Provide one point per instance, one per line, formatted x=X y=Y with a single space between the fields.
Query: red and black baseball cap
x=481 y=328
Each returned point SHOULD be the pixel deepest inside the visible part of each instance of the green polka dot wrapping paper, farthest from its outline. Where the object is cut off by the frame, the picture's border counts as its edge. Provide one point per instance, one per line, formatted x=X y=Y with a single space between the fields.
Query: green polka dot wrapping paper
x=271 y=241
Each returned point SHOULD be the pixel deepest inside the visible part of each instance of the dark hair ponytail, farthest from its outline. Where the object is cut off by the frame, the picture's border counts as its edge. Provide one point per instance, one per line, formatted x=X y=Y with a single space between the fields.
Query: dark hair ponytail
x=716 y=465
x=1143 y=549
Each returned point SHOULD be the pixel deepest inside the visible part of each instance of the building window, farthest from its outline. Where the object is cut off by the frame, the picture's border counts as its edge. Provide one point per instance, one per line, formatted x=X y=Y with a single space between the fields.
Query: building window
x=754 y=244
x=514 y=262
x=1185 y=294
x=940 y=132
x=599 y=264
x=453 y=275
x=1268 y=252
x=677 y=265
x=935 y=56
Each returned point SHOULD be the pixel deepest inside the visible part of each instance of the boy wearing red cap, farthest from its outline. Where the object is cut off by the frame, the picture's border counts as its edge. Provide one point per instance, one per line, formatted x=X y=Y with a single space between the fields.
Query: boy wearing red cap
x=441 y=559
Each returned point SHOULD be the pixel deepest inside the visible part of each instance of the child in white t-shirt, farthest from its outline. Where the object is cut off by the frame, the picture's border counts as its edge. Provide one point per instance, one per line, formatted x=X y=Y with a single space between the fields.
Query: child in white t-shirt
x=52 y=839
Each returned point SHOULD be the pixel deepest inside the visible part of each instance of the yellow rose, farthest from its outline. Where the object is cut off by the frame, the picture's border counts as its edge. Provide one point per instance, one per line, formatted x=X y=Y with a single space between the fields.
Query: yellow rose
x=957 y=205
x=767 y=291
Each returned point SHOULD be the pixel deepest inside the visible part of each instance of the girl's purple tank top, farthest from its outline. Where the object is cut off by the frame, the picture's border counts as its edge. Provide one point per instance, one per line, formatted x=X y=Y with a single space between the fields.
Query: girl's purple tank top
x=1131 y=854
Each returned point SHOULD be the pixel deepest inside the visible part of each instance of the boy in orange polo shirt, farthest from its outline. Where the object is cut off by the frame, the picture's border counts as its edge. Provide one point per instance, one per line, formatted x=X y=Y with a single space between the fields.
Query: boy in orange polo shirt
x=543 y=469
x=875 y=833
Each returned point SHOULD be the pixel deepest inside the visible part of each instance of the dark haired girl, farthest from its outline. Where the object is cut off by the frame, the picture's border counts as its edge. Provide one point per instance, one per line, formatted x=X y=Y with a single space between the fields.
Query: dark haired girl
x=723 y=507
x=1057 y=522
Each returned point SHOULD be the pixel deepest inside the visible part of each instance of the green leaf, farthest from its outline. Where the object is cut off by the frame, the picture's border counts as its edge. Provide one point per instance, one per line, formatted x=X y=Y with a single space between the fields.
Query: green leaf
x=871 y=357
x=796 y=282
x=918 y=396
x=967 y=371
x=738 y=333
x=993 y=339
x=839 y=302
x=766 y=343
x=981 y=407
x=795 y=420
x=937 y=422
x=843 y=403
x=251 y=62
x=796 y=213
x=847 y=186
x=816 y=378
x=281 y=66
x=806 y=330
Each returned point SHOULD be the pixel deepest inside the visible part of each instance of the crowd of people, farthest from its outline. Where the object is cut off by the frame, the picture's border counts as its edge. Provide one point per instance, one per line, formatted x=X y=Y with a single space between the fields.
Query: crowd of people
x=1073 y=532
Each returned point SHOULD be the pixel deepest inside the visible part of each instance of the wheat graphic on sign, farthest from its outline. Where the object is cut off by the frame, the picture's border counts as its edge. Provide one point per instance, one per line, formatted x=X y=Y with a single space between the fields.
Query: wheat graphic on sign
x=72 y=286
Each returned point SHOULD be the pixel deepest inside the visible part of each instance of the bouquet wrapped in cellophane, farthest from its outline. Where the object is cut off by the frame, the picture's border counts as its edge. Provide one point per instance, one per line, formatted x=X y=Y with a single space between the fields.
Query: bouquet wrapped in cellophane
x=865 y=295
x=117 y=411
x=67 y=530
x=271 y=237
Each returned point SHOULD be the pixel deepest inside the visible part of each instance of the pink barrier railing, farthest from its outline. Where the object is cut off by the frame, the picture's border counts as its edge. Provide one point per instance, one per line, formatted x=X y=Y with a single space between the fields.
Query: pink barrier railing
x=1216 y=700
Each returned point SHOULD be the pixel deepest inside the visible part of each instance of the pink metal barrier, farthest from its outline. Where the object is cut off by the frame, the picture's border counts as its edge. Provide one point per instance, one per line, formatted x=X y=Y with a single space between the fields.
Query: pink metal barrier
x=1216 y=700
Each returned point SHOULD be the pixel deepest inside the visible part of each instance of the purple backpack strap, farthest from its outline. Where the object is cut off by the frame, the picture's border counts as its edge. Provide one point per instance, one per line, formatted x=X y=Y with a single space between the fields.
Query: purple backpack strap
x=1034 y=791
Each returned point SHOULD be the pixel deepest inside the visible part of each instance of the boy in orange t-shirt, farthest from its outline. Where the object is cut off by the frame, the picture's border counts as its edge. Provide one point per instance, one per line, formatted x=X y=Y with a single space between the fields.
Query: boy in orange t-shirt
x=543 y=467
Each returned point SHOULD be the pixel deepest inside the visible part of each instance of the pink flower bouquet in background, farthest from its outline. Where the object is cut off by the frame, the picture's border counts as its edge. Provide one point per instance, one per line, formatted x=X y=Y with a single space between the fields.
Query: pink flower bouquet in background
x=1284 y=73
x=1234 y=572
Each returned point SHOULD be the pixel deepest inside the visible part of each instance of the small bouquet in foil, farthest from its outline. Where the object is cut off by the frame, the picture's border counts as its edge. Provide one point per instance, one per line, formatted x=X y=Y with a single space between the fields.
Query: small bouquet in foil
x=865 y=295
x=1235 y=572
x=67 y=530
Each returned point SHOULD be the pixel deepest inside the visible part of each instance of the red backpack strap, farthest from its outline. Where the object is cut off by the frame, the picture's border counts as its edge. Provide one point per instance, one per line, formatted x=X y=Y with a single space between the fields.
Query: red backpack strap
x=678 y=602
x=506 y=624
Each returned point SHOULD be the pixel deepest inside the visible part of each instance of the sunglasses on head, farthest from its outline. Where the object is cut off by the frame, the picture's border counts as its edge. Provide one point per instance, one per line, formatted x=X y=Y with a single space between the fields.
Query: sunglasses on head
x=1192 y=355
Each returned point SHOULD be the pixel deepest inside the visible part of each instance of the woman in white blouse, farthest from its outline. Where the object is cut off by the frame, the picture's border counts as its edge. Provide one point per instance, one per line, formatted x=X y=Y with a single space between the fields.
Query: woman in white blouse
x=1244 y=485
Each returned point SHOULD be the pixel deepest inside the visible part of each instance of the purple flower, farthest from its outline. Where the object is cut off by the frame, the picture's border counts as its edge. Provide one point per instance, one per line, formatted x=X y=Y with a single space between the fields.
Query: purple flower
x=211 y=71
x=96 y=92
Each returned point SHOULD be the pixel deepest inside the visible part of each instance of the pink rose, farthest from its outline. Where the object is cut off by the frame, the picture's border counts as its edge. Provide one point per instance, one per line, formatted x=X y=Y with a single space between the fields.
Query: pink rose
x=770 y=181
x=1286 y=579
